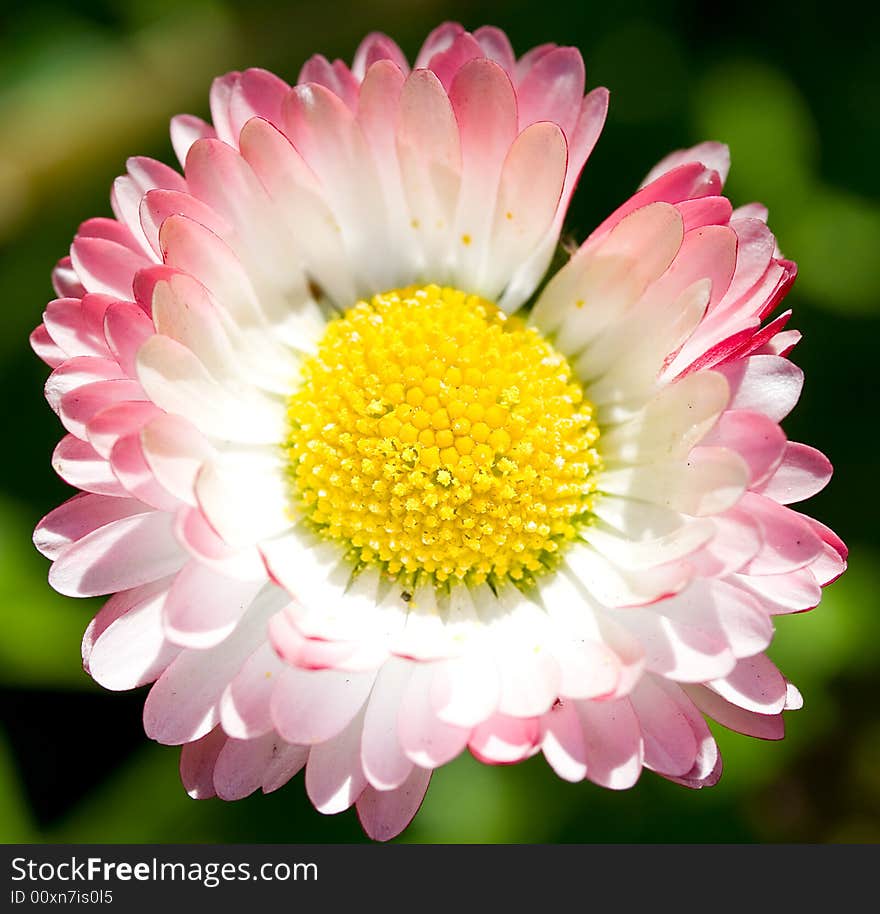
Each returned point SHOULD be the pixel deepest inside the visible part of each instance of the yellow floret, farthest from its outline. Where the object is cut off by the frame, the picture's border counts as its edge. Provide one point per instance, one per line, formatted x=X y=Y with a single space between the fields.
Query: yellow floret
x=432 y=434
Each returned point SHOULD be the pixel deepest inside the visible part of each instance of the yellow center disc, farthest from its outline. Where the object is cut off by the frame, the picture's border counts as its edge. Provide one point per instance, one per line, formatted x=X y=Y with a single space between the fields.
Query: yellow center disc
x=431 y=434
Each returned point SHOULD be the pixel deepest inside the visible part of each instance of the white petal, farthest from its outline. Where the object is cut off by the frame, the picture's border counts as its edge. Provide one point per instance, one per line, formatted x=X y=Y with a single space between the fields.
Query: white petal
x=385 y=763
x=184 y=704
x=708 y=482
x=334 y=775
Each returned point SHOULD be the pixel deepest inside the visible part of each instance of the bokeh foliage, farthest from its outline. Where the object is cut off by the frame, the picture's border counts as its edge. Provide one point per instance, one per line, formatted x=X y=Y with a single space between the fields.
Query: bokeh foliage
x=793 y=88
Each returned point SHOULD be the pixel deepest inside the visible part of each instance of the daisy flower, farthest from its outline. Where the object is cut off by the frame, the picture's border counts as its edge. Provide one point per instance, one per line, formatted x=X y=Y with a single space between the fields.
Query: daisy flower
x=363 y=498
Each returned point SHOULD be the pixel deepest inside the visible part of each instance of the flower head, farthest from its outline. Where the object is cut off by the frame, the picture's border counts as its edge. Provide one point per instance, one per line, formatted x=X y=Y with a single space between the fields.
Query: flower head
x=363 y=499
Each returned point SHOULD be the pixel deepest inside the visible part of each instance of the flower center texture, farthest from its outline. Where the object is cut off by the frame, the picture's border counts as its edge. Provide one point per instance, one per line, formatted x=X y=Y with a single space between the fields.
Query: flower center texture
x=433 y=435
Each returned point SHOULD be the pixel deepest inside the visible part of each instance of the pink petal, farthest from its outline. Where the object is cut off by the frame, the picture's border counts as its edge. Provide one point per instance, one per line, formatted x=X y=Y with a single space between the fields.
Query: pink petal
x=336 y=77
x=80 y=406
x=124 y=647
x=67 y=327
x=220 y=96
x=197 y=761
x=755 y=685
x=686 y=182
x=679 y=649
x=563 y=741
x=257 y=93
x=65 y=282
x=707 y=764
x=106 y=427
x=185 y=130
x=123 y=554
x=503 y=740
x=244 y=766
x=612 y=742
x=78 y=372
x=766 y=384
x=427 y=741
x=385 y=814
x=159 y=205
x=761 y=726
x=45 y=348
x=531 y=183
x=484 y=103
x=183 y=705
x=669 y=739
x=588 y=669
x=465 y=691
x=438 y=40
x=715 y=156
x=384 y=761
x=312 y=706
x=105 y=266
x=203 y=607
x=788 y=542
x=804 y=471
x=705 y=211
x=759 y=440
x=496 y=46
x=109 y=230
x=447 y=63
x=80 y=465
x=334 y=775
x=175 y=451
x=130 y=468
x=373 y=48
x=79 y=516
x=283 y=766
x=244 y=705
x=784 y=593
x=552 y=90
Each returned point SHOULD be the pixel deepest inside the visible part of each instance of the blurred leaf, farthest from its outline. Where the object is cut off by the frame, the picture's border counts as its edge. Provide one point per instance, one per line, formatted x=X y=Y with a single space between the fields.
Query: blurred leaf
x=836 y=239
x=761 y=114
x=42 y=630
x=472 y=802
x=644 y=65
x=103 y=97
x=141 y=802
x=842 y=635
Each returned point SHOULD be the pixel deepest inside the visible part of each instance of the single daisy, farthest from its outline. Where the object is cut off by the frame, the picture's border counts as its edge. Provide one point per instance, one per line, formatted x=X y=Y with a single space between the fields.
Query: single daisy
x=364 y=498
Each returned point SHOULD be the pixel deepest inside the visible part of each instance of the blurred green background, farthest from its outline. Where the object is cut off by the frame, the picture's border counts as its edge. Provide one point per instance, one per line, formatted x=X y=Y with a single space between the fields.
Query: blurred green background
x=794 y=88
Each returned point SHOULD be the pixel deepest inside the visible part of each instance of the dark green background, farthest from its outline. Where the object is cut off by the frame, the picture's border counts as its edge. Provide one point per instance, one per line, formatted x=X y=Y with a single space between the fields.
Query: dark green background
x=794 y=88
